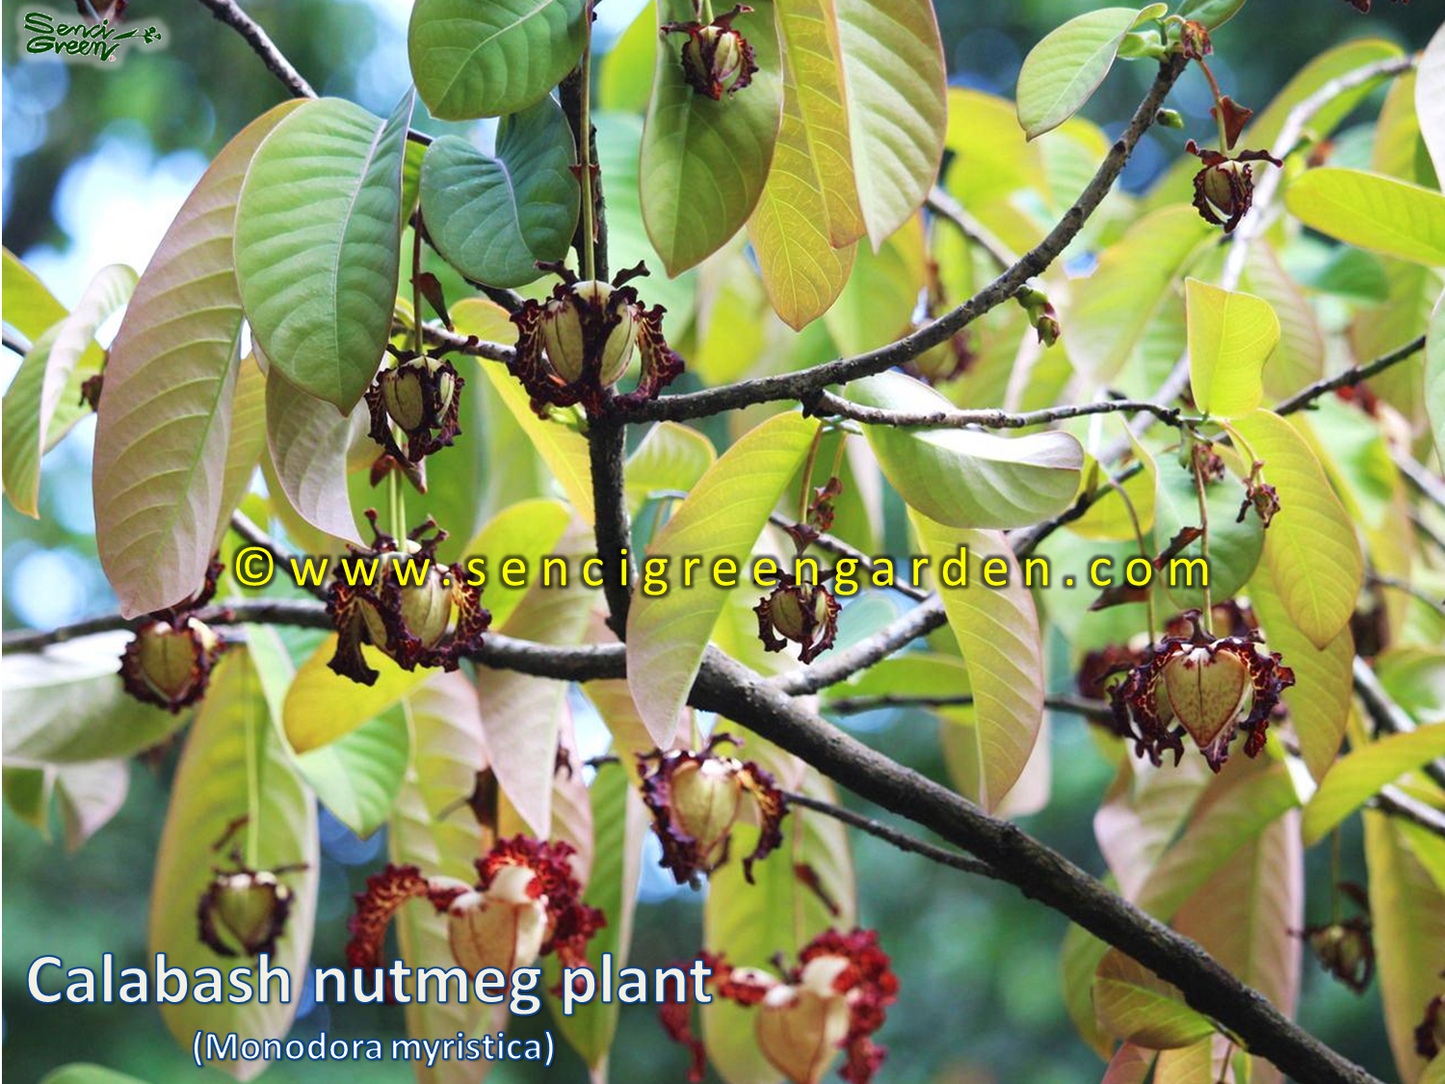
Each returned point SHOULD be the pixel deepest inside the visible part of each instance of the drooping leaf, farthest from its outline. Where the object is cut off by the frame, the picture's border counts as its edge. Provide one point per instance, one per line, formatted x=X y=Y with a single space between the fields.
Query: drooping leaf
x=234 y=766
x=779 y=913
x=42 y=403
x=723 y=516
x=1062 y=72
x=245 y=445
x=308 y=444
x=318 y=235
x=1361 y=775
x=1310 y=545
x=494 y=217
x=624 y=80
x=877 y=304
x=527 y=529
x=997 y=630
x=1143 y=1009
x=1300 y=357
x=82 y=1073
x=1371 y=211
x=486 y=59
x=1113 y=308
x=964 y=478
x=1210 y=13
x=894 y=81
x=1129 y=1065
x=670 y=457
x=1231 y=336
x=428 y=831
x=1319 y=701
x=28 y=306
x=67 y=706
x=811 y=175
x=1408 y=909
x=704 y=162
x=89 y=795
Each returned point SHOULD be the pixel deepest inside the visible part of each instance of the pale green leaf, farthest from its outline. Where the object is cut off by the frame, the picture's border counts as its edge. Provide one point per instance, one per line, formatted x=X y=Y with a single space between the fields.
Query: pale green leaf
x=997 y=630
x=245 y=445
x=1235 y=546
x=309 y=443
x=1361 y=775
x=1430 y=98
x=66 y=705
x=722 y=517
x=82 y=1073
x=485 y=59
x=28 y=306
x=495 y=217
x=1143 y=1009
x=624 y=80
x=1210 y=13
x=1129 y=1065
x=877 y=304
x=964 y=478
x=1372 y=211
x=1310 y=546
x=318 y=235
x=1062 y=72
x=671 y=457
x=234 y=766
x=894 y=82
x=1114 y=516
x=1231 y=336
x=1300 y=357
x=704 y=162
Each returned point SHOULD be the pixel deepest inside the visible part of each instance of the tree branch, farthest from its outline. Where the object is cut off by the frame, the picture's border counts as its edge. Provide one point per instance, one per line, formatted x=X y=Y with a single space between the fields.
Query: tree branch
x=606 y=444
x=828 y=403
x=1388 y=716
x=1357 y=374
x=1430 y=485
x=1394 y=802
x=856 y=705
x=941 y=203
x=836 y=546
x=1397 y=584
x=230 y=13
x=242 y=525
x=803 y=386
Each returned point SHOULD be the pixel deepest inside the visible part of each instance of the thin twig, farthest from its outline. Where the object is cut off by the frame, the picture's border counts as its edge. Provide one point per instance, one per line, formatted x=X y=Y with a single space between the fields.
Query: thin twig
x=856 y=705
x=1356 y=374
x=242 y=525
x=836 y=546
x=951 y=211
x=901 y=840
x=230 y=13
x=1419 y=594
x=1396 y=803
x=1427 y=483
x=828 y=403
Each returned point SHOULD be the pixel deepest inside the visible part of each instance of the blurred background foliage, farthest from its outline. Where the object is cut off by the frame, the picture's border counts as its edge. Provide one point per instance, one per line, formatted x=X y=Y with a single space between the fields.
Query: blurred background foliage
x=95 y=163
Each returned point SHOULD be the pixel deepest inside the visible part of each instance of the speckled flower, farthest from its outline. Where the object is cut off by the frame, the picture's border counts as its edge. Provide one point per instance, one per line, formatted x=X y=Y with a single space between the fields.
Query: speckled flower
x=716 y=59
x=169 y=660
x=421 y=397
x=802 y=614
x=697 y=796
x=244 y=912
x=1346 y=949
x=834 y=1000
x=1224 y=188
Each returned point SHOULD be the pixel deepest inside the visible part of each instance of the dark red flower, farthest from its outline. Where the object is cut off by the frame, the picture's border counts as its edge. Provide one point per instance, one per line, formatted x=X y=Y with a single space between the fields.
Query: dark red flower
x=1346 y=949
x=434 y=618
x=1234 y=115
x=798 y=613
x=1211 y=688
x=526 y=903
x=421 y=397
x=169 y=660
x=576 y=345
x=1224 y=188
x=244 y=912
x=1195 y=40
x=1264 y=499
x=716 y=59
x=697 y=797
x=834 y=999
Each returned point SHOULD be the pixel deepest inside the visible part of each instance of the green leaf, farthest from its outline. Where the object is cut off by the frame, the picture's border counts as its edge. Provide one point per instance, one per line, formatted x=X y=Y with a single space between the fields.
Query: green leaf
x=1113 y=308
x=877 y=305
x=528 y=529
x=1109 y=518
x=963 y=478
x=722 y=517
x=245 y=445
x=472 y=59
x=308 y=444
x=89 y=796
x=322 y=706
x=1320 y=699
x=67 y=706
x=1408 y=910
x=704 y=162
x=1129 y=1065
x=808 y=215
x=1062 y=72
x=624 y=80
x=426 y=831
x=620 y=823
x=997 y=630
x=1310 y=546
x=28 y=306
x=1300 y=357
x=1372 y=211
x=894 y=80
x=753 y=923
x=495 y=217
x=1435 y=375
x=83 y=1073
x=1361 y=775
x=670 y=457
x=234 y=766
x=318 y=235
x=1211 y=13
x=42 y=403
x=1231 y=336
x=1142 y=1009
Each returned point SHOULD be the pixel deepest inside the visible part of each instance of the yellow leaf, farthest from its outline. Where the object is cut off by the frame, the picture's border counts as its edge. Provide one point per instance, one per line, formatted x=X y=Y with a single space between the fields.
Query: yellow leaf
x=1231 y=335
x=322 y=706
x=1370 y=210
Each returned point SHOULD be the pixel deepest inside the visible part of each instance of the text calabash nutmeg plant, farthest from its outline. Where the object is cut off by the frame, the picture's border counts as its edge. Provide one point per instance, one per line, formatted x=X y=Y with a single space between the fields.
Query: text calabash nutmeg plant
x=1223 y=525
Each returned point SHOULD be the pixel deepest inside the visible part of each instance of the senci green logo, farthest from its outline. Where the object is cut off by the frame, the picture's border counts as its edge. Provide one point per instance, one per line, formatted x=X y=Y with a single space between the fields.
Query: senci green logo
x=45 y=31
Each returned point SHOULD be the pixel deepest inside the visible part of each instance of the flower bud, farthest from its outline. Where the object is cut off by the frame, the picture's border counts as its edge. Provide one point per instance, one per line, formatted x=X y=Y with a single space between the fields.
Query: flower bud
x=716 y=59
x=502 y=927
x=1169 y=118
x=563 y=340
x=802 y=615
x=244 y=910
x=404 y=394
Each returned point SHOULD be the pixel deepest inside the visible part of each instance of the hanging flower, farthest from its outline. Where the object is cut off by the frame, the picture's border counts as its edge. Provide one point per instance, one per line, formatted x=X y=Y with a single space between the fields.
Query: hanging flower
x=526 y=903
x=169 y=660
x=244 y=912
x=697 y=797
x=798 y=613
x=1346 y=949
x=1210 y=687
x=1224 y=188
x=420 y=396
x=1264 y=499
x=835 y=999
x=576 y=345
x=434 y=619
x=716 y=59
